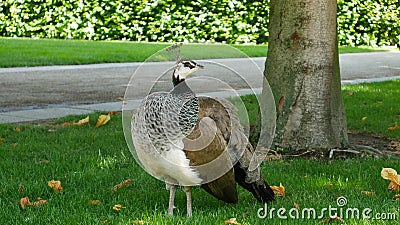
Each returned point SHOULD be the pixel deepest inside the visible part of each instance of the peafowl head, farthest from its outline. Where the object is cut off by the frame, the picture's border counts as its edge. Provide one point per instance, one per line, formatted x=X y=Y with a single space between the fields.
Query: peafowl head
x=183 y=69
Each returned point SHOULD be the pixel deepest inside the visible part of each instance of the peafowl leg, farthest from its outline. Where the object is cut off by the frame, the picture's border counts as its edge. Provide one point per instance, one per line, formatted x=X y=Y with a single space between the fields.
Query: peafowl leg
x=172 y=190
x=188 y=191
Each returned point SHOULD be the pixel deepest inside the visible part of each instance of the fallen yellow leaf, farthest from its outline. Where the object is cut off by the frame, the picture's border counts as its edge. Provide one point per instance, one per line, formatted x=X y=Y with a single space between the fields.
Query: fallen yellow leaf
x=396 y=126
x=391 y=174
x=103 y=119
x=363 y=119
x=20 y=188
x=82 y=122
x=40 y=202
x=296 y=206
x=397 y=197
x=120 y=98
x=56 y=185
x=368 y=193
x=393 y=186
x=232 y=221
x=118 y=207
x=15 y=145
x=18 y=129
x=332 y=219
x=122 y=184
x=24 y=203
x=279 y=191
x=66 y=124
x=95 y=202
x=44 y=161
x=2 y=139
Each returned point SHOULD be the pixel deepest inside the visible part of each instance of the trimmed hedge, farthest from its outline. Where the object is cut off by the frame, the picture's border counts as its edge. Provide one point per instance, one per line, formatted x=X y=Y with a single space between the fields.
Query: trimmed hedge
x=164 y=20
x=367 y=22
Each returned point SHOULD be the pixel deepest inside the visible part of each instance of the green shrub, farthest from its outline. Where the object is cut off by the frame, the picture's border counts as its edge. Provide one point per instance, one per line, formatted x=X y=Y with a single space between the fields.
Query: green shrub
x=361 y=22
x=369 y=22
x=164 y=20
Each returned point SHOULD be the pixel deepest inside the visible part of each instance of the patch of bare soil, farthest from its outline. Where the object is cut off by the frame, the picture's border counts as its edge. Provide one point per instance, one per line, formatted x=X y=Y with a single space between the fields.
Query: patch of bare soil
x=384 y=144
x=360 y=145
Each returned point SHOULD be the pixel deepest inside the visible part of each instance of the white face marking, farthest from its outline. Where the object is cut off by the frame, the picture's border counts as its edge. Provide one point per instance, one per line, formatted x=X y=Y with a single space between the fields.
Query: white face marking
x=185 y=68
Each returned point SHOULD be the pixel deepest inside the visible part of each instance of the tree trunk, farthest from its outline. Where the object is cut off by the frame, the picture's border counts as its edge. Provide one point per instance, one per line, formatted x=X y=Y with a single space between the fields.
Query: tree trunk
x=302 y=69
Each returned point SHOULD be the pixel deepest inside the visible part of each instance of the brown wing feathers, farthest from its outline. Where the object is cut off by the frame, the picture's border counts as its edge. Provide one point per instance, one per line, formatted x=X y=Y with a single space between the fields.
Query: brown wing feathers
x=216 y=114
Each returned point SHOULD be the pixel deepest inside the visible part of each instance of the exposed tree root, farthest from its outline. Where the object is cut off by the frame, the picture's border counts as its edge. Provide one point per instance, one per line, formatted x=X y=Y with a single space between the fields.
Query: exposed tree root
x=353 y=151
x=358 y=151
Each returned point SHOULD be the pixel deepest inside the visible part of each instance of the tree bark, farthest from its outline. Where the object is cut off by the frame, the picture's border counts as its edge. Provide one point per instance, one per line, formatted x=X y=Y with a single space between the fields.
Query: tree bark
x=302 y=69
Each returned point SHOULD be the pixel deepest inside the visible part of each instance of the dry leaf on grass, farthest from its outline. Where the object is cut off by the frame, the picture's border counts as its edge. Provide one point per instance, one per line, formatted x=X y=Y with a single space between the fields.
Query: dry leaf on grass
x=333 y=219
x=395 y=127
x=40 y=202
x=66 y=124
x=363 y=119
x=24 y=203
x=18 y=129
x=20 y=187
x=56 y=185
x=103 y=119
x=120 y=98
x=391 y=174
x=397 y=197
x=44 y=161
x=394 y=186
x=232 y=221
x=279 y=191
x=281 y=101
x=368 y=193
x=95 y=202
x=118 y=207
x=122 y=184
x=2 y=139
x=82 y=121
x=296 y=206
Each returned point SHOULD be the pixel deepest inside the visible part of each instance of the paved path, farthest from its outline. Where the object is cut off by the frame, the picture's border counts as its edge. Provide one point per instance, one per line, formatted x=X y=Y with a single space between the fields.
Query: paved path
x=28 y=94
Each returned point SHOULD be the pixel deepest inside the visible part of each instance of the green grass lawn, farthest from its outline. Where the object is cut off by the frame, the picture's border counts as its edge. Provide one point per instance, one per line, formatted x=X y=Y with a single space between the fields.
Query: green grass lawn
x=90 y=161
x=32 y=52
x=373 y=107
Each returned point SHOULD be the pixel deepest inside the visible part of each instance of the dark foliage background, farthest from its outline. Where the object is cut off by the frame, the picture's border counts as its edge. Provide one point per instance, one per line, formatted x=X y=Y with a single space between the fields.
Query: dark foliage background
x=360 y=22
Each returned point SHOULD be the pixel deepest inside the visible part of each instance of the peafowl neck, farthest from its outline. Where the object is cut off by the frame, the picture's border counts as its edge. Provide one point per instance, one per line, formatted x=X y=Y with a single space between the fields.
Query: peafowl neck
x=181 y=88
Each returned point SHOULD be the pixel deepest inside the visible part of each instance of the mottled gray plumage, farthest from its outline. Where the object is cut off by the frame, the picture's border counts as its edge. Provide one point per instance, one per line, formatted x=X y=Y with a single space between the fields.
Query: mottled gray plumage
x=163 y=117
x=192 y=141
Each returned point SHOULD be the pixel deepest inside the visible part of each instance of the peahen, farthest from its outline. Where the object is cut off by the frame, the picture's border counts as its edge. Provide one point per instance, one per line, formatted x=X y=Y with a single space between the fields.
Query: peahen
x=190 y=141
